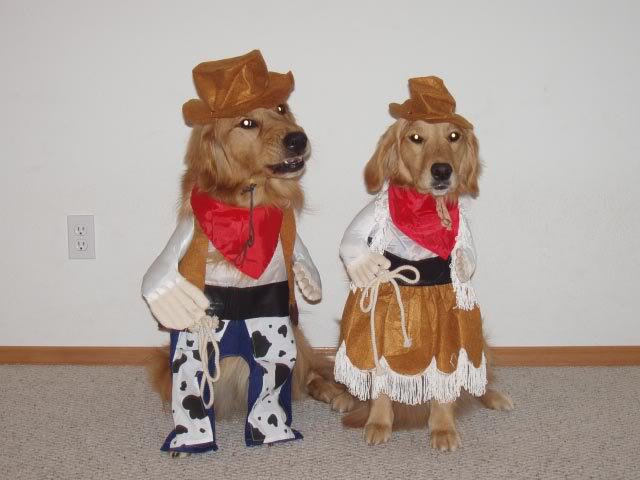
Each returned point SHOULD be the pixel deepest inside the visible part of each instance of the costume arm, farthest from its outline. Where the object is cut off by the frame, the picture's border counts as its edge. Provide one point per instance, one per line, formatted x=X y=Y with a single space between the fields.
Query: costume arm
x=306 y=273
x=362 y=264
x=174 y=302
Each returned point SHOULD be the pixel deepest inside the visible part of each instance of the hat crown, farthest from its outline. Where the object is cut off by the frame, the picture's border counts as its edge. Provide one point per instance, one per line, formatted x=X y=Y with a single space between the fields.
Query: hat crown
x=431 y=96
x=232 y=81
x=430 y=101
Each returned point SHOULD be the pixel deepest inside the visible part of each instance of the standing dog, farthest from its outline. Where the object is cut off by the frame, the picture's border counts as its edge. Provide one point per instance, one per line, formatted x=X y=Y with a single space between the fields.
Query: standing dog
x=411 y=332
x=224 y=284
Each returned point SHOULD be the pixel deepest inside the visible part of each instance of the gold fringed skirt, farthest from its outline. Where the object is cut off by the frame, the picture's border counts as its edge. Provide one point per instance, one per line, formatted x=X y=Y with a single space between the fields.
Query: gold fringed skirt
x=445 y=355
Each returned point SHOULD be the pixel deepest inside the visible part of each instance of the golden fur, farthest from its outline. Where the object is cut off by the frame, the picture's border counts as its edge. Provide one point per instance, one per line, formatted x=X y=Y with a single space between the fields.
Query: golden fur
x=222 y=159
x=406 y=163
x=401 y=161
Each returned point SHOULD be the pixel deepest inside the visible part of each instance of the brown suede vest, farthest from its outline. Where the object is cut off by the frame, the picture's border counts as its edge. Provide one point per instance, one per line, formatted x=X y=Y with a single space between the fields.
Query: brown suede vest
x=194 y=263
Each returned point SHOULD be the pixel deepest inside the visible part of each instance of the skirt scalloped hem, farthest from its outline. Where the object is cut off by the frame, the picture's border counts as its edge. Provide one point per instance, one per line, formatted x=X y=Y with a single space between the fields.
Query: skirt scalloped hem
x=432 y=384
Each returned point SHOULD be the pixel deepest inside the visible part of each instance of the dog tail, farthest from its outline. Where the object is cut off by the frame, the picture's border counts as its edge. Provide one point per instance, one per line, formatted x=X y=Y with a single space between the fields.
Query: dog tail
x=405 y=417
x=159 y=373
x=357 y=417
x=409 y=417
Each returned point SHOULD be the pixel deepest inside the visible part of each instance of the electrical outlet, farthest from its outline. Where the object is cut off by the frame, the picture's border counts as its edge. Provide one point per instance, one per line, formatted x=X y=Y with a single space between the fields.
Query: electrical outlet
x=81 y=237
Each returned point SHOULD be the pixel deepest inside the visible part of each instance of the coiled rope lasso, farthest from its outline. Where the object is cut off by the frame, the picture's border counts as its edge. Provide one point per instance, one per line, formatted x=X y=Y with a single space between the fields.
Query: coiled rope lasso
x=370 y=292
x=205 y=330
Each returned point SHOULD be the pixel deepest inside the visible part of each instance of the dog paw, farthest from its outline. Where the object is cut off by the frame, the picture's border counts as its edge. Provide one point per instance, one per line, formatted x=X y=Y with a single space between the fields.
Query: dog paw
x=496 y=400
x=376 y=434
x=343 y=403
x=179 y=454
x=445 y=440
x=324 y=390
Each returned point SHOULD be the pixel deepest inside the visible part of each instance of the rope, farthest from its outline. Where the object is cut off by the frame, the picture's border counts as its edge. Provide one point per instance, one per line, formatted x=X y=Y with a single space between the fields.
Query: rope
x=205 y=330
x=371 y=292
x=443 y=212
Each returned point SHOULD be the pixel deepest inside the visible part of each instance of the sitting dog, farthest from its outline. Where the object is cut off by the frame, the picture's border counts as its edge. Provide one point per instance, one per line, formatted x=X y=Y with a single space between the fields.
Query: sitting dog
x=411 y=335
x=224 y=284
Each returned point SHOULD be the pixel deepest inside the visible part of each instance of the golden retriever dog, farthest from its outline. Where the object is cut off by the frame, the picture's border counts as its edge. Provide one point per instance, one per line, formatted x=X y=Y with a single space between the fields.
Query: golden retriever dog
x=268 y=148
x=439 y=159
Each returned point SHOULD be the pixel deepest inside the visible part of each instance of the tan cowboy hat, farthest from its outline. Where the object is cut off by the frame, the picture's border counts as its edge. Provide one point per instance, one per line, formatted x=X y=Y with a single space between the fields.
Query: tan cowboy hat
x=429 y=101
x=234 y=86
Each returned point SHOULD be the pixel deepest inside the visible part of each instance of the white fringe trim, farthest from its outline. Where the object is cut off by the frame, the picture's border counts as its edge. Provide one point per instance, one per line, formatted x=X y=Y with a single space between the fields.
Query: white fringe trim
x=432 y=384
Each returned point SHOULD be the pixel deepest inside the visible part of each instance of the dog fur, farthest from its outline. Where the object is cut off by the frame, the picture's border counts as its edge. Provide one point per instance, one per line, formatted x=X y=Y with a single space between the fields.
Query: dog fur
x=404 y=156
x=222 y=159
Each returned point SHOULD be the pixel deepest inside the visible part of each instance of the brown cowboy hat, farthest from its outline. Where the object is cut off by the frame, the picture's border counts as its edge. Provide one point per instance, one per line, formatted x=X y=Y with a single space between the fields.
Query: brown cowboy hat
x=234 y=86
x=429 y=101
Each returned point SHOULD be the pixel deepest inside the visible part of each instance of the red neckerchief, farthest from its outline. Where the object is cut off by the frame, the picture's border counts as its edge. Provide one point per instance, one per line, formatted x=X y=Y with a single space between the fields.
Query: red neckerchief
x=227 y=227
x=416 y=216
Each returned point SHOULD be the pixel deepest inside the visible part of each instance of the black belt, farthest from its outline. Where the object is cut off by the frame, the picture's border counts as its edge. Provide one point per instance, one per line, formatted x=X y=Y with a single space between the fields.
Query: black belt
x=433 y=271
x=233 y=303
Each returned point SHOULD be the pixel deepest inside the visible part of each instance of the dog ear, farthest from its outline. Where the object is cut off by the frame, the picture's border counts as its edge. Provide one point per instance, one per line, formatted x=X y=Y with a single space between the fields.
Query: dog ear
x=200 y=165
x=384 y=160
x=470 y=166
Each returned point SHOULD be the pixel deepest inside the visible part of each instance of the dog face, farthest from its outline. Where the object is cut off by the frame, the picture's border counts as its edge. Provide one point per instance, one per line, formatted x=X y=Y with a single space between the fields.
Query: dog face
x=435 y=158
x=265 y=146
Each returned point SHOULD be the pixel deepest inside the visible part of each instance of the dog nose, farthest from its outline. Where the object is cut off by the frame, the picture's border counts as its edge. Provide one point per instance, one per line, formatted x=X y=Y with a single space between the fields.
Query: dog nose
x=441 y=171
x=295 y=142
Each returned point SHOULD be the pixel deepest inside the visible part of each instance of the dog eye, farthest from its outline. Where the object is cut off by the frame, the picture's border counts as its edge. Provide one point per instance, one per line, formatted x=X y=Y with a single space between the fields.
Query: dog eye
x=415 y=138
x=247 y=123
x=453 y=137
x=282 y=109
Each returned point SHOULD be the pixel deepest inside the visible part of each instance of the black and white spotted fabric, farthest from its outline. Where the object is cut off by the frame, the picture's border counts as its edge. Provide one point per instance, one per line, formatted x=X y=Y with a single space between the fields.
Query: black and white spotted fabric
x=274 y=352
x=268 y=346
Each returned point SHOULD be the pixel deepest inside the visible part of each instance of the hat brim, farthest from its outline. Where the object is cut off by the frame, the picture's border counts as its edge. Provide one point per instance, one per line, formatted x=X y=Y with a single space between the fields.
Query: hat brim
x=197 y=112
x=404 y=111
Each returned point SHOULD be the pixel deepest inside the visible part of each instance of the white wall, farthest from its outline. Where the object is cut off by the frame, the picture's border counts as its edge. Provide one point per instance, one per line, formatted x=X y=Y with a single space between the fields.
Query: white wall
x=90 y=122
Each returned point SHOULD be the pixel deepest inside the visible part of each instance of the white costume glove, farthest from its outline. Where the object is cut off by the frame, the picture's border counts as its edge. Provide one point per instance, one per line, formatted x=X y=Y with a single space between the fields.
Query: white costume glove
x=306 y=273
x=307 y=286
x=175 y=303
x=367 y=267
x=465 y=264
x=178 y=305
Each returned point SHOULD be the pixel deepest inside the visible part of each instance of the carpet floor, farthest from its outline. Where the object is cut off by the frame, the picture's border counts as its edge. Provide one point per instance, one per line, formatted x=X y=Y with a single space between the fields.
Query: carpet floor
x=67 y=422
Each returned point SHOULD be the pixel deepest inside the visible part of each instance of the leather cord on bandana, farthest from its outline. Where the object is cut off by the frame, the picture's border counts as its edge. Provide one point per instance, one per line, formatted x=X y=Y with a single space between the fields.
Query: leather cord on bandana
x=443 y=212
x=249 y=243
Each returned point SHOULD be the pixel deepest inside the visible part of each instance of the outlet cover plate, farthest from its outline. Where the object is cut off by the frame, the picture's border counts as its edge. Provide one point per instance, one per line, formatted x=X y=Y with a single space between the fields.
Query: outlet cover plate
x=81 y=234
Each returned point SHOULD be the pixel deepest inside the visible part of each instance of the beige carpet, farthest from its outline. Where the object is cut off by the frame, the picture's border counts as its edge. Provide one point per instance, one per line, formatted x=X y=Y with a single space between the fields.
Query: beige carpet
x=98 y=422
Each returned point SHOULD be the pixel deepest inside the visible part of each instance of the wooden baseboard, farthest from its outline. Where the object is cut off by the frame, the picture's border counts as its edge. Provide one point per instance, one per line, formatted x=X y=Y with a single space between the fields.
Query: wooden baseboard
x=566 y=356
x=76 y=355
x=502 y=356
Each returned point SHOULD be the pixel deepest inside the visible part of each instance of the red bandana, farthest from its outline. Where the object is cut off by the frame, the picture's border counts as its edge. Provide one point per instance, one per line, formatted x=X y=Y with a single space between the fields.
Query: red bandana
x=227 y=227
x=416 y=216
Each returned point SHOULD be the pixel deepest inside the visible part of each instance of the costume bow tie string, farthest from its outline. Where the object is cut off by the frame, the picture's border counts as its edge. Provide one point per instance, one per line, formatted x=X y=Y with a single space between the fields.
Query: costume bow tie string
x=251 y=238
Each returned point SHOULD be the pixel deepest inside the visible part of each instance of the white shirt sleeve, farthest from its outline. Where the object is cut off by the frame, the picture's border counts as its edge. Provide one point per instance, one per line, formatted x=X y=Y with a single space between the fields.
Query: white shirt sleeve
x=301 y=255
x=354 y=241
x=163 y=272
x=465 y=242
